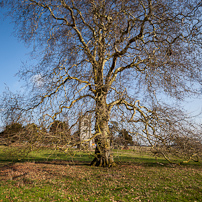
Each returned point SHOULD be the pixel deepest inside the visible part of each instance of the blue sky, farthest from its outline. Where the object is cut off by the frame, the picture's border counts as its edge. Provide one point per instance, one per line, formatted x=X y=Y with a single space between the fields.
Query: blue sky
x=13 y=53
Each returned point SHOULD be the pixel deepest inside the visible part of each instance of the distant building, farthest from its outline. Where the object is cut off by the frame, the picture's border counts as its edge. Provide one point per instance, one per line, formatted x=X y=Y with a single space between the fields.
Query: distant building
x=85 y=131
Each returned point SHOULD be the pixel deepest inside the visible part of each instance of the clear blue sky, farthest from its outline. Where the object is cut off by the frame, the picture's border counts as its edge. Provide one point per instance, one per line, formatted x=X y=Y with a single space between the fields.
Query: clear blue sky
x=13 y=53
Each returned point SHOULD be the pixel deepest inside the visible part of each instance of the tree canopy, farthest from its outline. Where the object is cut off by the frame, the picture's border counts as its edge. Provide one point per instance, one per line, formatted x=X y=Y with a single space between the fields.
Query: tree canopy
x=122 y=58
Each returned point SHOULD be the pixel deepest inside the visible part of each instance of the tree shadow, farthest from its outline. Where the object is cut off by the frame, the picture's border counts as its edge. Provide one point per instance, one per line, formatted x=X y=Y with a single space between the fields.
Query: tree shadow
x=84 y=159
x=64 y=162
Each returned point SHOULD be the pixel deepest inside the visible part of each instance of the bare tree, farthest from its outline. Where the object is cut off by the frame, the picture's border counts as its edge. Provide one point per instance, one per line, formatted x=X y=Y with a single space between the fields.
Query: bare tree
x=10 y=108
x=107 y=57
x=174 y=135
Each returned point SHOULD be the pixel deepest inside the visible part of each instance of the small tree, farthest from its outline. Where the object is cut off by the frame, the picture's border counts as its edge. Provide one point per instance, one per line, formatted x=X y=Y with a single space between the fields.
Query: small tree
x=11 y=133
x=119 y=136
x=126 y=138
x=60 y=131
x=32 y=133
x=58 y=126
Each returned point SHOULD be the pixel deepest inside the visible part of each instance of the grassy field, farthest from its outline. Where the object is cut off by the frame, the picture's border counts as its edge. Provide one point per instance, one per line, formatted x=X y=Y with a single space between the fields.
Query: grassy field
x=48 y=176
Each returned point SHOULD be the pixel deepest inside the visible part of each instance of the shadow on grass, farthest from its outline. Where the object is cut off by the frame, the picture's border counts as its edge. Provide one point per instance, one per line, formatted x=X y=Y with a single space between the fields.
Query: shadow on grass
x=152 y=162
x=47 y=157
x=78 y=157
x=142 y=161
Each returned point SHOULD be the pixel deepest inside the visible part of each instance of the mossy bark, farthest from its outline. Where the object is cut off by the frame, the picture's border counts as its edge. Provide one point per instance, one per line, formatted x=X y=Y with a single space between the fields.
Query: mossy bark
x=103 y=156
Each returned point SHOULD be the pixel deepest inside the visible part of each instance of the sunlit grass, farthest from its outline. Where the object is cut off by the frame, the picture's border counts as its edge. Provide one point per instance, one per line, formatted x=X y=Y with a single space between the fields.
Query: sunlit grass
x=137 y=177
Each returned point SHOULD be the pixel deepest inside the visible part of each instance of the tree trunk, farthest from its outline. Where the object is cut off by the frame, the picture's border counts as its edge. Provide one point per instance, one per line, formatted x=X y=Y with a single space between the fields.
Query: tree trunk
x=103 y=156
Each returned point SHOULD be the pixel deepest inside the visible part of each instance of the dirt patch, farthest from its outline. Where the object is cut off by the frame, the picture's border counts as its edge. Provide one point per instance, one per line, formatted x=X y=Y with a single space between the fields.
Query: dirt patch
x=43 y=171
x=33 y=171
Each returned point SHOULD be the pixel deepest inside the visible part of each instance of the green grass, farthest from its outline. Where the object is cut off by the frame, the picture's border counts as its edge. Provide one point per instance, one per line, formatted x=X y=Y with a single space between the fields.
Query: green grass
x=137 y=177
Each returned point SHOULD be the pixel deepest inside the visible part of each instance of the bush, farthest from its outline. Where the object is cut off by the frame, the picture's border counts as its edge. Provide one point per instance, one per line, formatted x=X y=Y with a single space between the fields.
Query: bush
x=11 y=133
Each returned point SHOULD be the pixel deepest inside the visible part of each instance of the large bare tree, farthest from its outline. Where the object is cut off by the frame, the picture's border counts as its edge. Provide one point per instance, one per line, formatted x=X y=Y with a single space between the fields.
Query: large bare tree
x=107 y=57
